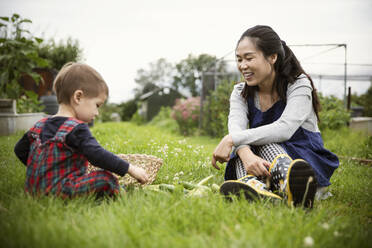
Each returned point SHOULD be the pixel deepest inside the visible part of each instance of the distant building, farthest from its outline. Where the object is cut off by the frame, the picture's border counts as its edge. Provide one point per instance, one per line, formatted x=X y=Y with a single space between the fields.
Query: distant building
x=152 y=101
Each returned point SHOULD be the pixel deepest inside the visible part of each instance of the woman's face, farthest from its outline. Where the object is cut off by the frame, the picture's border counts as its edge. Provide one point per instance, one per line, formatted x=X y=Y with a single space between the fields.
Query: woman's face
x=255 y=68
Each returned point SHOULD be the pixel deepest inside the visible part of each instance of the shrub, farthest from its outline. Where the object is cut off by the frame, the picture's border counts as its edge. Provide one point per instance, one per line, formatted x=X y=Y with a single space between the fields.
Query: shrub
x=18 y=50
x=164 y=120
x=186 y=113
x=28 y=103
x=127 y=109
x=365 y=101
x=333 y=114
x=58 y=54
x=216 y=110
x=106 y=111
x=137 y=118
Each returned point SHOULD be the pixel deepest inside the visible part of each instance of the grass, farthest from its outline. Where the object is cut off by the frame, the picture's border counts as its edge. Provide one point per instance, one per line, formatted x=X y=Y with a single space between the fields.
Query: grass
x=150 y=219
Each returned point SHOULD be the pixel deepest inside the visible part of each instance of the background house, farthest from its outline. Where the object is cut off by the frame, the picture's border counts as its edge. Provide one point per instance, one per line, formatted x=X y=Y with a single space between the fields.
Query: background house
x=152 y=101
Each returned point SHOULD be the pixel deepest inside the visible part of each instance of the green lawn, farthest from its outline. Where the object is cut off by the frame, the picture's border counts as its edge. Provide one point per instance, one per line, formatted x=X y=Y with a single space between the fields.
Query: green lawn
x=150 y=219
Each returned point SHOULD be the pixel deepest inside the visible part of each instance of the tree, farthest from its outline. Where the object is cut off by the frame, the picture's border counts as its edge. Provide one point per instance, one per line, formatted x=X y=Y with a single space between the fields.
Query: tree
x=158 y=75
x=189 y=70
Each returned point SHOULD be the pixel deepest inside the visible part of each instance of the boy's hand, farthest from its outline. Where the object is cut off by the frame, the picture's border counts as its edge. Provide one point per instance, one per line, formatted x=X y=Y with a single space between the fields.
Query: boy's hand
x=138 y=173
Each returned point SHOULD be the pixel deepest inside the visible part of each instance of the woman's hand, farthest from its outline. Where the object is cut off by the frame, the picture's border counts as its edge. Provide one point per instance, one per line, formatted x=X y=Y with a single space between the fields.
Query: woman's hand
x=253 y=164
x=222 y=151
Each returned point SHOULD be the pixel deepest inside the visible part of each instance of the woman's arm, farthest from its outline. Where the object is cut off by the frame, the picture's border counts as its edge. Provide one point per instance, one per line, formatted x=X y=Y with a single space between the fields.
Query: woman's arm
x=297 y=110
x=238 y=115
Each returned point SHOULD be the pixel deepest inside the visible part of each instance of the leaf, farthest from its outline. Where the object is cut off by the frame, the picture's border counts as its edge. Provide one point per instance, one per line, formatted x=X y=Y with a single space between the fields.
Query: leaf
x=4 y=18
x=15 y=17
x=41 y=62
x=36 y=77
x=205 y=180
x=25 y=20
x=38 y=40
x=4 y=77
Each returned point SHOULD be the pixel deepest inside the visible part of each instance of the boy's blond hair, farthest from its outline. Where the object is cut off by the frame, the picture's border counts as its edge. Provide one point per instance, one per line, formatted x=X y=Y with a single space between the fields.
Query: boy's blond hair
x=77 y=76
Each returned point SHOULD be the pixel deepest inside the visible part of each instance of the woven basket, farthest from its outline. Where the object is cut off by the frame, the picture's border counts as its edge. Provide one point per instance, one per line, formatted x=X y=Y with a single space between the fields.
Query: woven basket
x=149 y=163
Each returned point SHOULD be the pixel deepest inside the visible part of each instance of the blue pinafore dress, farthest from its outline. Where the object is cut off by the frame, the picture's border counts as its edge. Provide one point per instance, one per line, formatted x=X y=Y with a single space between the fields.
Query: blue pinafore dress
x=303 y=144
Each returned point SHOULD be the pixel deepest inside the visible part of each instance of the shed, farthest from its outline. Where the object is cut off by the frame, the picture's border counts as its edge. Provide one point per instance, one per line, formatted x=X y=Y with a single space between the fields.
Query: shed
x=152 y=101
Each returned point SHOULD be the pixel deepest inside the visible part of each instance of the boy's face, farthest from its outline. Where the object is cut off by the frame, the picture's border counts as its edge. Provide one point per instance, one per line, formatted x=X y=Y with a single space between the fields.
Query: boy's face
x=87 y=108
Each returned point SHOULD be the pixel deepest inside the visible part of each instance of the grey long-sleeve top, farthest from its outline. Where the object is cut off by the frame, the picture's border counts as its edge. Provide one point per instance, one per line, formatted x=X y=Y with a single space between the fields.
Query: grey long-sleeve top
x=298 y=112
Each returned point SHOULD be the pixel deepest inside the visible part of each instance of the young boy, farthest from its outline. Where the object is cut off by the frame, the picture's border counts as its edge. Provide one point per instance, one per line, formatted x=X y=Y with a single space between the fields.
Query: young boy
x=57 y=149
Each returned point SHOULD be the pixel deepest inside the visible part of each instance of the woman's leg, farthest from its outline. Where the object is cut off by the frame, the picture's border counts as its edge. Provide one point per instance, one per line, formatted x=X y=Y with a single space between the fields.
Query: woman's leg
x=268 y=152
x=293 y=179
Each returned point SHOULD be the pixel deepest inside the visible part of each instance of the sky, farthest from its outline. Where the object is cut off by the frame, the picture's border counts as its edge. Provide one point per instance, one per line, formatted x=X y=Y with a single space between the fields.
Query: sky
x=120 y=37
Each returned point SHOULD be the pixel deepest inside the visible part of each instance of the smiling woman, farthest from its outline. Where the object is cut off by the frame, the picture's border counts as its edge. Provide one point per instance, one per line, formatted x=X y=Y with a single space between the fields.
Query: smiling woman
x=278 y=101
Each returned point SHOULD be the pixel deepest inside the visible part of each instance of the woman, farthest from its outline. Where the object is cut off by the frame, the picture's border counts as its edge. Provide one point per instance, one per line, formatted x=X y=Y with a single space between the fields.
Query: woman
x=283 y=142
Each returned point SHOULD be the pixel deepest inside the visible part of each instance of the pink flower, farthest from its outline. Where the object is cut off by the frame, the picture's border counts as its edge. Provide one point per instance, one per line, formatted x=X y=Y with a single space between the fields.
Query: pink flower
x=185 y=115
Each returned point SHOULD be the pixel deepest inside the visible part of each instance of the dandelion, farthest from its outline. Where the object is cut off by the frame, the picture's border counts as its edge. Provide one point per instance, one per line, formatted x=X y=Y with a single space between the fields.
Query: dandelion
x=308 y=241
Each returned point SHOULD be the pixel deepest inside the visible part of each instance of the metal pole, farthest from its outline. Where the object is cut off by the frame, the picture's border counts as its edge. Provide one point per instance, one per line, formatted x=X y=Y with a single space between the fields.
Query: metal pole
x=201 y=102
x=345 y=75
x=349 y=98
x=320 y=83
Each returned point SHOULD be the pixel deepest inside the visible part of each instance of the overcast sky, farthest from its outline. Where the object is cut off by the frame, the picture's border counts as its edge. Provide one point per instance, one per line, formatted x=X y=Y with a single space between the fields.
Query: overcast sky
x=120 y=37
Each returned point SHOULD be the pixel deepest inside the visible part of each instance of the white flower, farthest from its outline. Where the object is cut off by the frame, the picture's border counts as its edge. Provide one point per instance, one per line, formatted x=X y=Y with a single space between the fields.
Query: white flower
x=178 y=149
x=176 y=178
x=308 y=241
x=325 y=226
x=336 y=234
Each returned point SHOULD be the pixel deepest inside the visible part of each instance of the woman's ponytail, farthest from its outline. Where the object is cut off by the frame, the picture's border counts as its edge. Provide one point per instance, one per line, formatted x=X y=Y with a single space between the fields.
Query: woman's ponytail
x=288 y=71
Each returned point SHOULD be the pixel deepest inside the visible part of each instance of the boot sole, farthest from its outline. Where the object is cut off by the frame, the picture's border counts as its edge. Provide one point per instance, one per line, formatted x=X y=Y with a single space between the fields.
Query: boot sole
x=301 y=184
x=237 y=188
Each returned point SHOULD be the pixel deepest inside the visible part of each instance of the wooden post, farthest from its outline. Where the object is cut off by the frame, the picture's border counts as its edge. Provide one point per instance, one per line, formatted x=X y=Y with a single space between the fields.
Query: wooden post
x=349 y=98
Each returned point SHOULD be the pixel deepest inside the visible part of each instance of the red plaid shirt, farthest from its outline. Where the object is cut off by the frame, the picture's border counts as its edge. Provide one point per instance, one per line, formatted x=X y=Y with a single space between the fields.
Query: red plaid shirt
x=55 y=168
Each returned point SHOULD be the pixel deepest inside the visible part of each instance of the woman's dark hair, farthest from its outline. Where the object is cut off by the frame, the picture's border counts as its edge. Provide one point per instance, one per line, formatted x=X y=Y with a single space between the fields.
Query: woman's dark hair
x=287 y=67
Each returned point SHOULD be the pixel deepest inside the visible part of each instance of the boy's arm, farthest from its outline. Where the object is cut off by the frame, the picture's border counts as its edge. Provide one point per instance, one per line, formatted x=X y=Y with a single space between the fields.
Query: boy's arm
x=22 y=148
x=82 y=140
